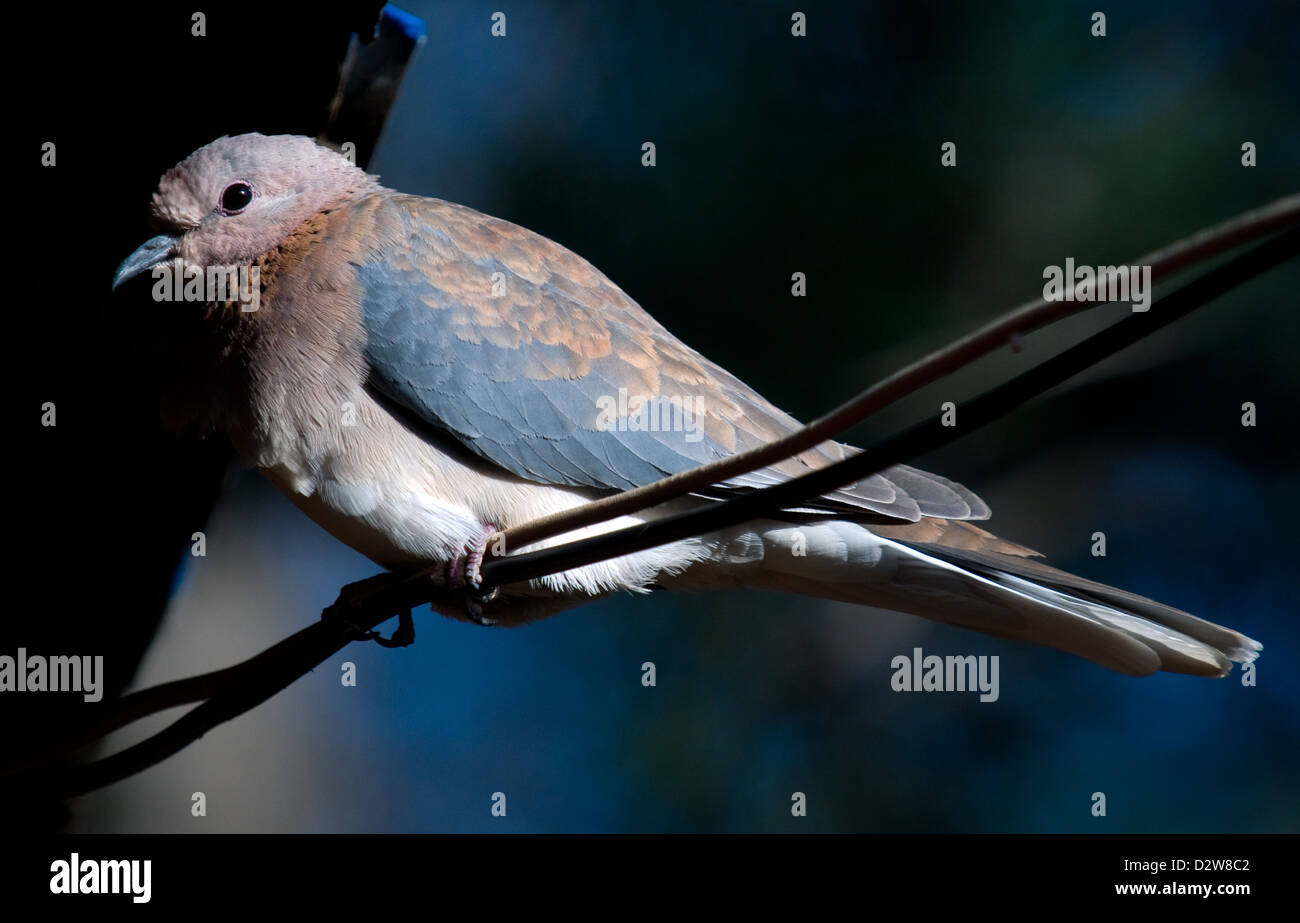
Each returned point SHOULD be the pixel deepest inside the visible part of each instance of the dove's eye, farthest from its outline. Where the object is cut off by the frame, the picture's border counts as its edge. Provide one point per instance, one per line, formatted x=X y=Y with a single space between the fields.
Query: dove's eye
x=236 y=198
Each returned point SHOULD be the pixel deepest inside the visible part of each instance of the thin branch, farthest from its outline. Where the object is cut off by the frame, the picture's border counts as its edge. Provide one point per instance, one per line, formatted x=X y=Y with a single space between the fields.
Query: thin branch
x=1244 y=228
x=360 y=607
x=131 y=708
x=348 y=615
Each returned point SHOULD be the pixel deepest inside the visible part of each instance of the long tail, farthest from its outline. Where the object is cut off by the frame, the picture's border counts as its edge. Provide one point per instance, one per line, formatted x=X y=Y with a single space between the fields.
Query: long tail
x=998 y=594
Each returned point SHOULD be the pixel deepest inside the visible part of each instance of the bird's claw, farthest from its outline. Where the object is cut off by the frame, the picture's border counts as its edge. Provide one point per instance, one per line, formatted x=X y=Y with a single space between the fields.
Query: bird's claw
x=475 y=599
x=464 y=572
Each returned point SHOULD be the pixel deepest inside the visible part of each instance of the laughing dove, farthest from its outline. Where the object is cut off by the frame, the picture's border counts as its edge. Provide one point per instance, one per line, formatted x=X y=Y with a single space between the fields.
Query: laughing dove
x=417 y=374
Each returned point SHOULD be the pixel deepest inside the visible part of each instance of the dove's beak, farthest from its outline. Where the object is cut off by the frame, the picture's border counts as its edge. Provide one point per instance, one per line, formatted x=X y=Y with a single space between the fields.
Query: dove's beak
x=149 y=254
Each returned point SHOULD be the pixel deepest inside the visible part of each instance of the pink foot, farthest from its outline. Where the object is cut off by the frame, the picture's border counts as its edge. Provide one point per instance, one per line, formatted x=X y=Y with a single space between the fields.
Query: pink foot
x=466 y=569
x=464 y=572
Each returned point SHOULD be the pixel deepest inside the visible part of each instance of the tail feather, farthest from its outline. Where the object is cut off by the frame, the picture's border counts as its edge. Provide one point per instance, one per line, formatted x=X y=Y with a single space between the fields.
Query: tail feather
x=1000 y=594
x=1178 y=634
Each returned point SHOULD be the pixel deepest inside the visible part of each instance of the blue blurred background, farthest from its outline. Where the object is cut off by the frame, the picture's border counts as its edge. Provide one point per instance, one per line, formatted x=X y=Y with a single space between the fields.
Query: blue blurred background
x=779 y=154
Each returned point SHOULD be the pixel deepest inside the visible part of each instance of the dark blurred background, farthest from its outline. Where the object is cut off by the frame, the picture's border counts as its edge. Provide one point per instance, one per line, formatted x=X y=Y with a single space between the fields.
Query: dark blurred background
x=775 y=154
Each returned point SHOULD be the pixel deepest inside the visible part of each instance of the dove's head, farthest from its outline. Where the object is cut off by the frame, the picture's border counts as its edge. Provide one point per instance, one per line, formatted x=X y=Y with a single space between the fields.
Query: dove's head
x=237 y=198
